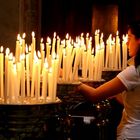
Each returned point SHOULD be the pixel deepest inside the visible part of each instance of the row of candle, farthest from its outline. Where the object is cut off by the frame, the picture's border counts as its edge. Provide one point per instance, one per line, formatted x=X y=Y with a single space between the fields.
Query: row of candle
x=35 y=73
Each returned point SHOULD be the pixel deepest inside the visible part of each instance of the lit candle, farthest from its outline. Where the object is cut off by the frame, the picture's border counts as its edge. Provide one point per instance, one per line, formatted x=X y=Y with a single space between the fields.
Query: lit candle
x=14 y=91
x=33 y=78
x=42 y=53
x=53 y=43
x=124 y=52
x=50 y=84
x=44 y=81
x=48 y=47
x=55 y=74
x=18 y=77
x=22 y=77
x=9 y=74
x=27 y=72
x=1 y=73
x=91 y=66
x=6 y=73
x=23 y=43
x=33 y=45
x=17 y=48
x=58 y=45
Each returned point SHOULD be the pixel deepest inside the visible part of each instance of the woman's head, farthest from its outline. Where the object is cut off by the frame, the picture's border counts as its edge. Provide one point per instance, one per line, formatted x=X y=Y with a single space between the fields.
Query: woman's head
x=133 y=38
x=134 y=41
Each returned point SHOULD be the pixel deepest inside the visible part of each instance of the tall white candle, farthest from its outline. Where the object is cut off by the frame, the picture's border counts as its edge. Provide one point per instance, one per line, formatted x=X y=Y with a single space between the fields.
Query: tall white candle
x=1 y=73
x=23 y=43
x=50 y=84
x=27 y=73
x=44 y=81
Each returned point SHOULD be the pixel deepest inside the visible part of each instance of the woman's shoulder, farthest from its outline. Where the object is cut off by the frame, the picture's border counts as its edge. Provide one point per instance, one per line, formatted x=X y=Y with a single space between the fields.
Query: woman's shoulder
x=130 y=77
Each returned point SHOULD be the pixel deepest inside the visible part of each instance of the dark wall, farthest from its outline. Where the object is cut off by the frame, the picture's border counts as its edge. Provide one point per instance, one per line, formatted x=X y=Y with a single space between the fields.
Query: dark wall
x=64 y=16
x=9 y=23
x=75 y=16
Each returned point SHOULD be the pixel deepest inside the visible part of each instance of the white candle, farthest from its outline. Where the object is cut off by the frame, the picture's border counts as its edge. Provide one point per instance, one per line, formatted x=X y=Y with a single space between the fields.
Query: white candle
x=50 y=84
x=22 y=77
x=42 y=53
x=33 y=78
x=33 y=45
x=27 y=73
x=9 y=74
x=44 y=81
x=17 y=48
x=23 y=43
x=1 y=73
x=48 y=47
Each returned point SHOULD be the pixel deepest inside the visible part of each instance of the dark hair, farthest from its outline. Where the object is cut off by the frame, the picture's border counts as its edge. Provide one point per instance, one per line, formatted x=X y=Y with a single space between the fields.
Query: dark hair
x=135 y=30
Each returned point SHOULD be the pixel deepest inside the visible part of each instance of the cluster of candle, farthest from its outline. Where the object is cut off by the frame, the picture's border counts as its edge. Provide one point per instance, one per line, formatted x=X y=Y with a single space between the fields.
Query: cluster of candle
x=31 y=76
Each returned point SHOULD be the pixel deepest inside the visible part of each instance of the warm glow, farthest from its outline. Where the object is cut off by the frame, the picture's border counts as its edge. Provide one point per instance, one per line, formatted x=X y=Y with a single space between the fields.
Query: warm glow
x=54 y=34
x=48 y=40
x=1 y=49
x=50 y=70
x=53 y=55
x=87 y=35
x=22 y=57
x=30 y=48
x=82 y=34
x=24 y=35
x=7 y=51
x=41 y=40
x=46 y=65
x=39 y=54
x=10 y=56
x=18 y=37
x=117 y=33
x=27 y=48
x=33 y=34
x=67 y=36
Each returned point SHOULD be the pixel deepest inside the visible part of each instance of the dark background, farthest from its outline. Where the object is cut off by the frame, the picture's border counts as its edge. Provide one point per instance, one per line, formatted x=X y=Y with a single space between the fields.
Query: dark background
x=64 y=16
x=76 y=16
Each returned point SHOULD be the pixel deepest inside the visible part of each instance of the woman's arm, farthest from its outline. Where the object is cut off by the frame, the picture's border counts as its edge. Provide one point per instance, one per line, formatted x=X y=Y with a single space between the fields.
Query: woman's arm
x=109 y=89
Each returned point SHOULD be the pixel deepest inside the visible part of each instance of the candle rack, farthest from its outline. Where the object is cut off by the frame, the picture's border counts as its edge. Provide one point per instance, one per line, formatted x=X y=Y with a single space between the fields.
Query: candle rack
x=20 y=122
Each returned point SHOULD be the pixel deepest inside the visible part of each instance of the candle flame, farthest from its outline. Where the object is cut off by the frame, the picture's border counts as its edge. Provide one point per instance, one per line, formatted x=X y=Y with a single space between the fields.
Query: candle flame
x=54 y=34
x=125 y=38
x=24 y=35
x=1 y=49
x=27 y=49
x=82 y=34
x=39 y=54
x=67 y=36
x=96 y=32
x=18 y=37
x=58 y=37
x=117 y=33
x=63 y=42
x=48 y=40
x=41 y=40
x=87 y=35
x=33 y=34
x=7 y=51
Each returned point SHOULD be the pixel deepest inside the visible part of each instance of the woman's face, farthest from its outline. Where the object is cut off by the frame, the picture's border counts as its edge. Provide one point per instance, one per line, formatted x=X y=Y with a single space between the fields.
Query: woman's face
x=133 y=43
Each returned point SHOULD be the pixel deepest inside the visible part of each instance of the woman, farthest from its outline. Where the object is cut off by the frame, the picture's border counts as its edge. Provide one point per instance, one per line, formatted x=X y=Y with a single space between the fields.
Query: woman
x=126 y=82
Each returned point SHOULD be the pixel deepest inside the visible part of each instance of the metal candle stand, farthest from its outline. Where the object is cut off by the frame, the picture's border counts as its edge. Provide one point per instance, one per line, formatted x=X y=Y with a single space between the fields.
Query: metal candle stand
x=73 y=118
